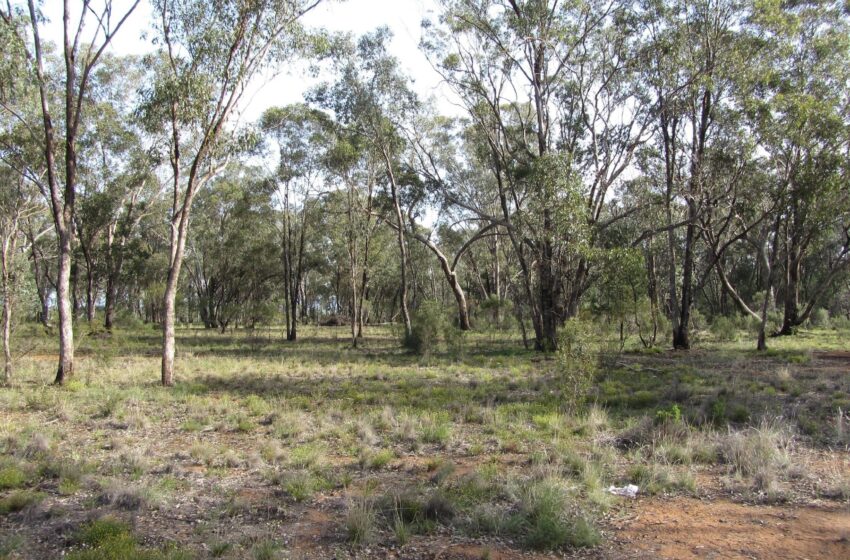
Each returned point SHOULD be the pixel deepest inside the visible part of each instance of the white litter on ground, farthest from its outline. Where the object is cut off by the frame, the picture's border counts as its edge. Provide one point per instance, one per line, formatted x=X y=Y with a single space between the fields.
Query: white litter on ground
x=629 y=491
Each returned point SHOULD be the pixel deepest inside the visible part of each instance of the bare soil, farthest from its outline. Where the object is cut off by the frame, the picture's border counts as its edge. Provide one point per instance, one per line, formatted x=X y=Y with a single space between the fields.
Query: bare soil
x=685 y=528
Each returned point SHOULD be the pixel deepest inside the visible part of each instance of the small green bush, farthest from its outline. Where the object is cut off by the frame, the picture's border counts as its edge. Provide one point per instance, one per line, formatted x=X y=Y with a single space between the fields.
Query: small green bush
x=19 y=500
x=12 y=476
x=724 y=329
x=578 y=358
x=361 y=521
x=548 y=525
x=428 y=324
x=819 y=318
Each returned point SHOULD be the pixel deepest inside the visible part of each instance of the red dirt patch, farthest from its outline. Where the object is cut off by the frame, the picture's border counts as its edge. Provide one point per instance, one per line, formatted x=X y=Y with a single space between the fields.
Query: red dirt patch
x=685 y=528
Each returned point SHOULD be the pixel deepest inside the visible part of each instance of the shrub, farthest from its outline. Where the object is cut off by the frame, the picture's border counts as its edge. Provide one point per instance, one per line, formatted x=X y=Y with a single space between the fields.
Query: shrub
x=819 y=318
x=376 y=459
x=301 y=485
x=110 y=539
x=495 y=313
x=428 y=324
x=102 y=530
x=435 y=429
x=578 y=360
x=265 y=550
x=654 y=479
x=547 y=524
x=19 y=500
x=724 y=329
x=12 y=476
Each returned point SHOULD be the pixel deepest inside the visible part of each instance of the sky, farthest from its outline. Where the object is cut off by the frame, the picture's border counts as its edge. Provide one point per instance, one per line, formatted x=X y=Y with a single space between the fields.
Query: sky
x=402 y=17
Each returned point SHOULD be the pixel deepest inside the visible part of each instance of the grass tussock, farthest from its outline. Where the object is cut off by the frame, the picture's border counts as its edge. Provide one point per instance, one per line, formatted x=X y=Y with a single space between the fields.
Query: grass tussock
x=760 y=454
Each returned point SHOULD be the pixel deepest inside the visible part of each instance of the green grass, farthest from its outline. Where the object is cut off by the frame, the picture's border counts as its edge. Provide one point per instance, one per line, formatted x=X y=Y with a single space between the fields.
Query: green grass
x=19 y=501
x=108 y=538
x=259 y=431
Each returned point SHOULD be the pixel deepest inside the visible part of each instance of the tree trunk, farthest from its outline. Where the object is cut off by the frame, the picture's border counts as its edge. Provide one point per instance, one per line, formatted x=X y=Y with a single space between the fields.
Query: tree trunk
x=7 y=254
x=681 y=334
x=451 y=278
x=7 y=331
x=179 y=232
x=168 y=349
x=109 y=305
x=42 y=281
x=547 y=293
x=66 y=318
x=114 y=263
x=790 y=318
x=90 y=296
x=770 y=262
x=402 y=247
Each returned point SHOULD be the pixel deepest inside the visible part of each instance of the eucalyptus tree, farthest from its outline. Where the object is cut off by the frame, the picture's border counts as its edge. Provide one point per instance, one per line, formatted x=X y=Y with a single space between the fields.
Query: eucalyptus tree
x=553 y=93
x=231 y=265
x=210 y=52
x=302 y=137
x=18 y=204
x=373 y=99
x=801 y=114
x=690 y=63
x=439 y=167
x=139 y=197
x=110 y=145
x=89 y=28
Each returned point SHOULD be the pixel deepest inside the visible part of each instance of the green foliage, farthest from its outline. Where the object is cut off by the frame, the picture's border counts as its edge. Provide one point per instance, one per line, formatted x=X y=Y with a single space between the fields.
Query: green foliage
x=428 y=325
x=820 y=318
x=109 y=538
x=12 y=475
x=673 y=414
x=19 y=501
x=578 y=358
x=724 y=329
x=361 y=521
x=547 y=523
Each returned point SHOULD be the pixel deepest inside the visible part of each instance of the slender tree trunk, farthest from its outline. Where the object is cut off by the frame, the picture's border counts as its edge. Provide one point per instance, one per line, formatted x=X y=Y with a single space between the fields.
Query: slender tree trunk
x=178 y=240
x=652 y=291
x=42 y=281
x=7 y=253
x=547 y=292
x=790 y=319
x=179 y=232
x=761 y=345
x=75 y=289
x=402 y=247
x=497 y=274
x=109 y=305
x=66 y=314
x=91 y=296
x=7 y=332
x=451 y=278
x=681 y=334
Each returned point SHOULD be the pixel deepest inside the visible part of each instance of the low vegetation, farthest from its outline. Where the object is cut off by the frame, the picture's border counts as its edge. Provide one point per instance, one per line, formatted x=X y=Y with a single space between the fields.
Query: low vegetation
x=379 y=447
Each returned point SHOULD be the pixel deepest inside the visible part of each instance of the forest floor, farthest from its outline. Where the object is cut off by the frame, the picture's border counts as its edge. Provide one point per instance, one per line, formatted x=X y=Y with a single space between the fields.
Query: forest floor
x=271 y=449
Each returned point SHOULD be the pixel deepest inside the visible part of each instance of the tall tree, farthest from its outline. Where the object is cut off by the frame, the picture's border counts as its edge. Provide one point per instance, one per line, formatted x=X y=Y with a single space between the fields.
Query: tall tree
x=210 y=53
x=300 y=134
x=801 y=115
x=374 y=98
x=82 y=51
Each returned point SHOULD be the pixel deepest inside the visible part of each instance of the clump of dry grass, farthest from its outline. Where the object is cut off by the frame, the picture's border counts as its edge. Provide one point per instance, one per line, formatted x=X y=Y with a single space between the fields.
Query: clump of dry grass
x=761 y=454
x=119 y=495
x=361 y=521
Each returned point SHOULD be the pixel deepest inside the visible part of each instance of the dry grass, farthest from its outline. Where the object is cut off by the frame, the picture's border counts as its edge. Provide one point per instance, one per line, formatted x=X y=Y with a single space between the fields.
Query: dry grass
x=263 y=434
